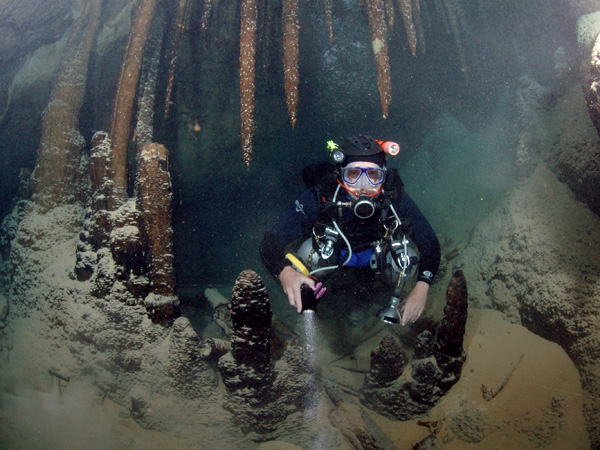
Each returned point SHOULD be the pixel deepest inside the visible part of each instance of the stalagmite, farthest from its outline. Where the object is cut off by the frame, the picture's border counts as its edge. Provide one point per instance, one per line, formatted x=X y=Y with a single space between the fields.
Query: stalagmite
x=329 y=19
x=122 y=114
x=387 y=363
x=251 y=318
x=435 y=367
x=154 y=201
x=180 y=24
x=263 y=394
x=290 y=56
x=380 y=49
x=452 y=328
x=409 y=26
x=54 y=179
x=249 y=14
x=247 y=369
x=102 y=185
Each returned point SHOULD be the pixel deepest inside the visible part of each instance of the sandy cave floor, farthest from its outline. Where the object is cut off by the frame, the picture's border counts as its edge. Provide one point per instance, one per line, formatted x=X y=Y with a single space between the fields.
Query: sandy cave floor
x=539 y=405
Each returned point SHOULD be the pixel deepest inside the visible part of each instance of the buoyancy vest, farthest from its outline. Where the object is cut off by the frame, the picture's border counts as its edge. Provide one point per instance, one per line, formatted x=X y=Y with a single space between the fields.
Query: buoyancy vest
x=361 y=233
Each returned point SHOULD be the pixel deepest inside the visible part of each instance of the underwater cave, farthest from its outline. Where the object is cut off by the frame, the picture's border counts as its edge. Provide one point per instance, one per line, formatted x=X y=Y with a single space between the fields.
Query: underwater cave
x=148 y=146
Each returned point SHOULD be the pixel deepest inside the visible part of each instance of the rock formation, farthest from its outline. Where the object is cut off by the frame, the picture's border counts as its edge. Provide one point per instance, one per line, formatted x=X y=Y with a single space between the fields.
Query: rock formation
x=375 y=10
x=554 y=300
x=354 y=422
x=265 y=397
x=120 y=130
x=149 y=78
x=407 y=16
x=435 y=366
x=179 y=26
x=55 y=178
x=291 y=29
x=154 y=202
x=247 y=76
x=128 y=248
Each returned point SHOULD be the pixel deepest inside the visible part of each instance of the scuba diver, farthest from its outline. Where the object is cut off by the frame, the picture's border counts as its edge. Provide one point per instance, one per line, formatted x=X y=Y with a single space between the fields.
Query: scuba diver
x=354 y=214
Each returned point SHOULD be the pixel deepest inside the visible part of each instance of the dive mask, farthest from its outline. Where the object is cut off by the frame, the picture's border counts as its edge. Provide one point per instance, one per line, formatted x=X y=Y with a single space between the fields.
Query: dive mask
x=367 y=176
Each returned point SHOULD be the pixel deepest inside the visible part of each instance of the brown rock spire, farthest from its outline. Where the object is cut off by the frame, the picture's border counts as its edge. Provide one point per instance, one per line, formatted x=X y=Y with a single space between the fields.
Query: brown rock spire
x=375 y=10
x=249 y=15
x=329 y=19
x=54 y=178
x=290 y=56
x=409 y=26
x=122 y=114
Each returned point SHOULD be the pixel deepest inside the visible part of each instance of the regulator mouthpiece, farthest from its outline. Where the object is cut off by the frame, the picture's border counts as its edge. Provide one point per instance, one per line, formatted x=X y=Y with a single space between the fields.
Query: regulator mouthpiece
x=364 y=207
x=390 y=314
x=309 y=300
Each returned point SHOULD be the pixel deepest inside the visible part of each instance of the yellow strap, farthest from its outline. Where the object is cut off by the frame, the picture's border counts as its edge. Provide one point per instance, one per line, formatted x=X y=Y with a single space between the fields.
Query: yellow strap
x=297 y=264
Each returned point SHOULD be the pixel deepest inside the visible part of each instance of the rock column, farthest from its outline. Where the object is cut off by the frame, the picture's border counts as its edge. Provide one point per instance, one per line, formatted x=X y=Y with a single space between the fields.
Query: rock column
x=435 y=367
x=55 y=177
x=154 y=202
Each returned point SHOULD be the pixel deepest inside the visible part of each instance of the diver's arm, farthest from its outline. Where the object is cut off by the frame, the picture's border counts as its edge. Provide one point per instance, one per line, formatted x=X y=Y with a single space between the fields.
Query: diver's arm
x=297 y=220
x=424 y=237
x=415 y=303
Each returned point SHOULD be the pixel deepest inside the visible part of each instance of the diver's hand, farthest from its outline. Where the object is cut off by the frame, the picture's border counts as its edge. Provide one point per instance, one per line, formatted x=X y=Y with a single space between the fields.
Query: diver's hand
x=415 y=303
x=291 y=280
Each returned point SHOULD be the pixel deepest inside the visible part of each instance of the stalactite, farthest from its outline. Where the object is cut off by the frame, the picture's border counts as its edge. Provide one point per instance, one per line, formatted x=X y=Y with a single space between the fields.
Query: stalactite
x=421 y=47
x=206 y=14
x=453 y=12
x=249 y=14
x=409 y=26
x=144 y=129
x=122 y=114
x=329 y=19
x=380 y=49
x=441 y=10
x=390 y=12
x=179 y=27
x=54 y=180
x=290 y=56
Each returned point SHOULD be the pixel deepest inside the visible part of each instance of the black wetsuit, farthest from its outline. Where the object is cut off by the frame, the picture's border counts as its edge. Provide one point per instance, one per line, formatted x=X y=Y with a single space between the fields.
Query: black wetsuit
x=299 y=219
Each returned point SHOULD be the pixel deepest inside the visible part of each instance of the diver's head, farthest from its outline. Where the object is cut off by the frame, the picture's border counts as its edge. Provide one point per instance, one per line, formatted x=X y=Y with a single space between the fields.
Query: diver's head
x=362 y=173
x=362 y=148
x=362 y=170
